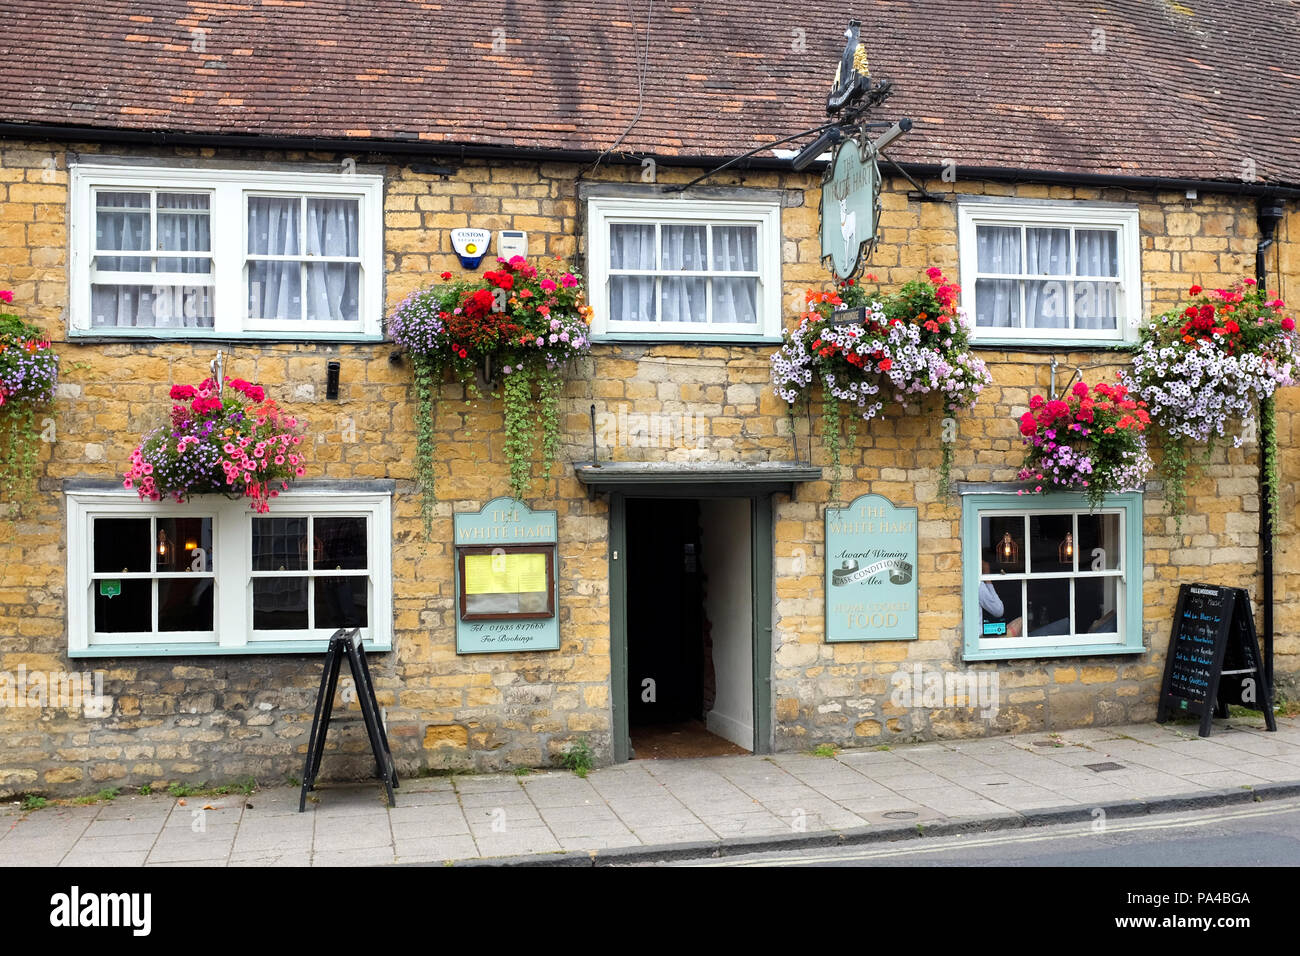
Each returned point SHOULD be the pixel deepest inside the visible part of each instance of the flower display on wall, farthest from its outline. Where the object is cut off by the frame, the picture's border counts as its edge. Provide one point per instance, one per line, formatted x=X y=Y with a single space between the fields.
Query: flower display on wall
x=1208 y=369
x=912 y=343
x=517 y=326
x=232 y=441
x=1093 y=441
x=29 y=372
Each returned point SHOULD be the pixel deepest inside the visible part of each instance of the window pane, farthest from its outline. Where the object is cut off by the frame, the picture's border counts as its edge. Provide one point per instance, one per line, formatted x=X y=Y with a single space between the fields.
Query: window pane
x=735 y=300
x=684 y=300
x=130 y=611
x=341 y=602
x=122 y=545
x=122 y=222
x=1051 y=544
x=183 y=542
x=1049 y=607
x=1002 y=543
x=159 y=306
x=183 y=222
x=333 y=291
x=1046 y=305
x=1096 y=605
x=341 y=544
x=631 y=246
x=1000 y=608
x=1099 y=542
x=333 y=227
x=735 y=248
x=273 y=225
x=1096 y=252
x=279 y=604
x=997 y=303
x=1096 y=304
x=632 y=299
x=1047 y=252
x=685 y=247
x=998 y=249
x=185 y=604
x=274 y=290
x=279 y=544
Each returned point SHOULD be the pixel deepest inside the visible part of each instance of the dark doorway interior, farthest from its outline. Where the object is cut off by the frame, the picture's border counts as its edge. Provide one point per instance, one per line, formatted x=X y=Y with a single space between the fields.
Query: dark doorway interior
x=672 y=683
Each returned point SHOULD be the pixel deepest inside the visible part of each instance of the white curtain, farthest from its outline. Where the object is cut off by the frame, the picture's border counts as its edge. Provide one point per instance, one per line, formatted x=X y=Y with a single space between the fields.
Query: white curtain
x=997 y=301
x=274 y=287
x=333 y=288
x=685 y=248
x=1047 y=300
x=122 y=223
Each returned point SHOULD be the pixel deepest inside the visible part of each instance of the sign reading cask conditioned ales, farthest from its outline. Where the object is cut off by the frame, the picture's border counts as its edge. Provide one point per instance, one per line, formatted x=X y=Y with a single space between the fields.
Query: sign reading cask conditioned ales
x=505 y=579
x=1213 y=658
x=871 y=571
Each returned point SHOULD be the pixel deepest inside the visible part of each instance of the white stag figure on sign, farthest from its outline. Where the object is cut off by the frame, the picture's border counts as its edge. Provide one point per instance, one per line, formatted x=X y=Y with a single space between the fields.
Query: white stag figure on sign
x=848 y=224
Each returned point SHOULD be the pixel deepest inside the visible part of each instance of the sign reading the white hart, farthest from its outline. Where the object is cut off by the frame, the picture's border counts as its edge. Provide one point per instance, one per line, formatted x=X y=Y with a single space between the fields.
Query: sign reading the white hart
x=871 y=571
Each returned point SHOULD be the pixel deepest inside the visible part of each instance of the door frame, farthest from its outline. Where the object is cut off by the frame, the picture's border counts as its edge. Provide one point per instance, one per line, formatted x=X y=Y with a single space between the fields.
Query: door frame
x=762 y=550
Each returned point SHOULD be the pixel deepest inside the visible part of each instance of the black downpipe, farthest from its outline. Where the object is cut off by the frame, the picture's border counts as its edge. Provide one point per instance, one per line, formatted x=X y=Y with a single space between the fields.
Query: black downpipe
x=1268 y=214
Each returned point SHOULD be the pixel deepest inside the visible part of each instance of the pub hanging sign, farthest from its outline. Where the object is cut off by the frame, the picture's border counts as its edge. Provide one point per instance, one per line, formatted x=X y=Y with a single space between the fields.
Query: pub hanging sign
x=505 y=579
x=850 y=205
x=871 y=588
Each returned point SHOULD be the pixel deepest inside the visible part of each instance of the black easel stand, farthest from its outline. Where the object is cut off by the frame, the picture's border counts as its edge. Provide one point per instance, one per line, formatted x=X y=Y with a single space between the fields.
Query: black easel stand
x=347 y=643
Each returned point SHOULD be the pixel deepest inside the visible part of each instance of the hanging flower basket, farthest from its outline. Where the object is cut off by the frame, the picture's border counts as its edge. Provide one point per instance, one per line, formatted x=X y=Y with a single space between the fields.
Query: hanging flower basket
x=515 y=328
x=29 y=371
x=913 y=344
x=1093 y=441
x=1207 y=366
x=232 y=441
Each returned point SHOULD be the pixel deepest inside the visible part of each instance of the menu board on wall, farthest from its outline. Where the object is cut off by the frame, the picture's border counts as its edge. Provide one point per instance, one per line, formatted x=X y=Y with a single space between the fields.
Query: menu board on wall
x=1213 y=657
x=505 y=579
x=871 y=571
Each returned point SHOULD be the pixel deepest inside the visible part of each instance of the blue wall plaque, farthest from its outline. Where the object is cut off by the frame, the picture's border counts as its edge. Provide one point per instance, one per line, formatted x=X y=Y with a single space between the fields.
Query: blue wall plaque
x=871 y=571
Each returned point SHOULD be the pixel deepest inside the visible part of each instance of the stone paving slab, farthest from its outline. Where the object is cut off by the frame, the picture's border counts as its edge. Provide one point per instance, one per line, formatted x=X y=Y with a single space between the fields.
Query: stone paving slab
x=672 y=806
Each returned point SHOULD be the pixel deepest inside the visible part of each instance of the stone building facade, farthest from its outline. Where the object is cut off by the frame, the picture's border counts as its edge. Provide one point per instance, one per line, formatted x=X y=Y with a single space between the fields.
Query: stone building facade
x=173 y=716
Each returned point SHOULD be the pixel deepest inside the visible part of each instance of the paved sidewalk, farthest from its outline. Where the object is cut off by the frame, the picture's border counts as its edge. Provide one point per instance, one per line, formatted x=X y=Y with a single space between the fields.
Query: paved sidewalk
x=647 y=809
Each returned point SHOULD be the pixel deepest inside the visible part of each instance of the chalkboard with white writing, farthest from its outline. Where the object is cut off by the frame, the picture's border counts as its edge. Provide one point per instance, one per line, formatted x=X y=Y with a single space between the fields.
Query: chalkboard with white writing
x=1213 y=658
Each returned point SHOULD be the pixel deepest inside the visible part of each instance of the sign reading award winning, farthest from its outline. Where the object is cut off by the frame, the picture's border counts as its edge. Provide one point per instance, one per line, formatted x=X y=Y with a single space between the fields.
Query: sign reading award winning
x=850 y=190
x=871 y=571
x=505 y=579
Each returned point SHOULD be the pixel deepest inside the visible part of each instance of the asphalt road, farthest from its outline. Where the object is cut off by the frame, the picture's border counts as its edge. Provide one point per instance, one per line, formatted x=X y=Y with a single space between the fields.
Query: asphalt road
x=1261 y=834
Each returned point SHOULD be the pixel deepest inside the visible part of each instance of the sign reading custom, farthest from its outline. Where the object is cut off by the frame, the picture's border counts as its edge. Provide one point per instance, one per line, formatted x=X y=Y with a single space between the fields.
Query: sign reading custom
x=850 y=200
x=871 y=571
x=505 y=579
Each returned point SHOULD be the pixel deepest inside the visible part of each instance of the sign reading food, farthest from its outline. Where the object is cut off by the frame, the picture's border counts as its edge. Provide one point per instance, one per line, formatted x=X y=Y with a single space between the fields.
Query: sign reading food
x=871 y=571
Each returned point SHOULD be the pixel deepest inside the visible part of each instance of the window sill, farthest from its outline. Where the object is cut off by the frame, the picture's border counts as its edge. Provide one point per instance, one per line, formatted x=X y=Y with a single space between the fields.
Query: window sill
x=1059 y=650
x=196 y=650
x=1047 y=345
x=103 y=337
x=657 y=338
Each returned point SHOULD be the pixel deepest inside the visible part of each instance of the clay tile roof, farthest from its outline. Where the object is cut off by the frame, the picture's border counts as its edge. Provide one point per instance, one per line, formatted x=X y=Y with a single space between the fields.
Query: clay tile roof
x=1204 y=89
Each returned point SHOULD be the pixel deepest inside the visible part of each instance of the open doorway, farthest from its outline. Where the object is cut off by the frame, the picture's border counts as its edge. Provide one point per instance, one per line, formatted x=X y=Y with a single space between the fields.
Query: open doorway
x=690 y=627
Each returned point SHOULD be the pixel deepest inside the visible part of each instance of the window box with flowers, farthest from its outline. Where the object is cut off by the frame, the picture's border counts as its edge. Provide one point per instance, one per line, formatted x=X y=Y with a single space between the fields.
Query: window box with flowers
x=29 y=372
x=912 y=343
x=517 y=327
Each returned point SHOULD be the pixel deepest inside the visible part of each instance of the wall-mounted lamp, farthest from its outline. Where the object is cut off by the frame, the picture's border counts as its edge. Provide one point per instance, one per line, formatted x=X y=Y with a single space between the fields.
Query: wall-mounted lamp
x=164 y=545
x=332 y=380
x=1008 y=550
x=1066 y=551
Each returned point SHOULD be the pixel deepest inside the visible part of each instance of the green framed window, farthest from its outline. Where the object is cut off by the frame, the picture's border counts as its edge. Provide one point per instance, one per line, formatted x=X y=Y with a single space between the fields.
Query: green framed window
x=1045 y=576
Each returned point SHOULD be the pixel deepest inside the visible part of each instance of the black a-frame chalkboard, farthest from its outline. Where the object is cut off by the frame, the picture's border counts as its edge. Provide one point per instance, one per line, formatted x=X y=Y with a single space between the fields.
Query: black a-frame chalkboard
x=1213 y=658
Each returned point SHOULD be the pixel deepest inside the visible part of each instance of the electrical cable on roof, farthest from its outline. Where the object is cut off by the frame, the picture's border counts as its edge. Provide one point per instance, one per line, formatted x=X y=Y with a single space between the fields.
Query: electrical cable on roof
x=642 y=66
